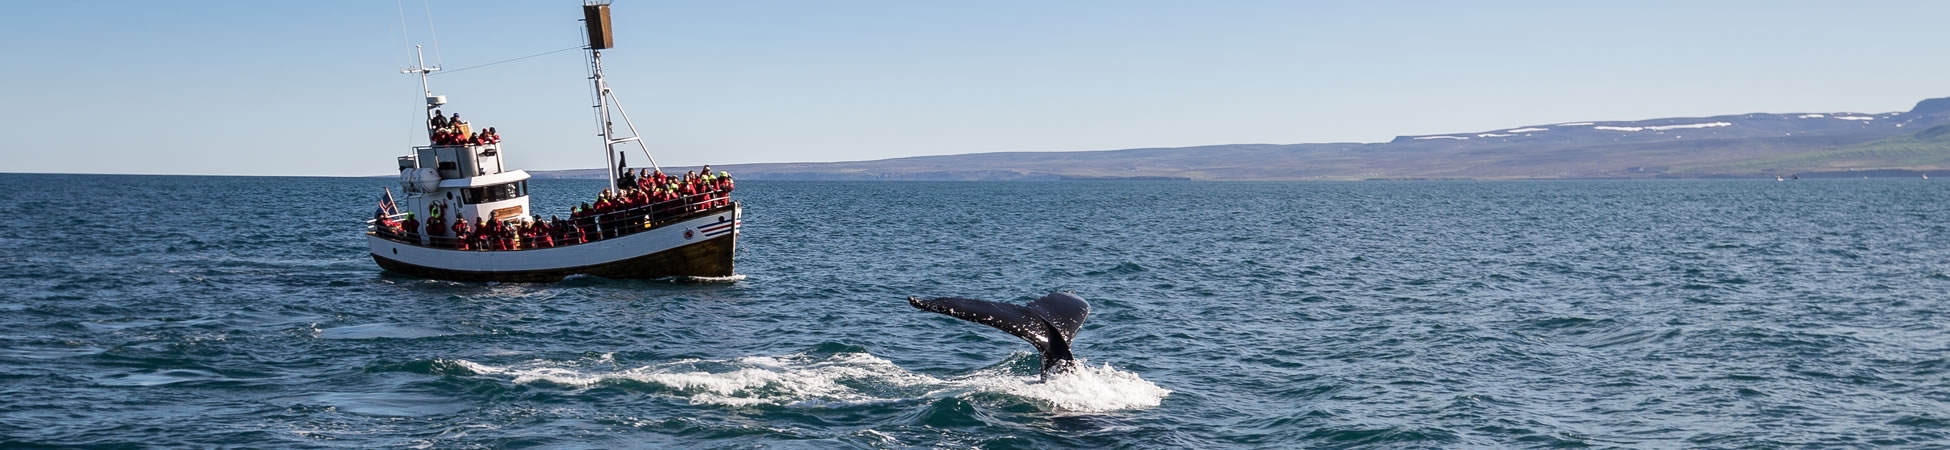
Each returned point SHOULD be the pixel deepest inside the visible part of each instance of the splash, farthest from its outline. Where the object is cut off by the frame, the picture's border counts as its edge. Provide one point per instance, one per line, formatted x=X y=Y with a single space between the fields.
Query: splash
x=840 y=380
x=1085 y=389
x=733 y=278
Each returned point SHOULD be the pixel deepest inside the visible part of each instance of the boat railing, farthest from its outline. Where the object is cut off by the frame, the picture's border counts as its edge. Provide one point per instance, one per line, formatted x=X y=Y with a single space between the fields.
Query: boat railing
x=585 y=228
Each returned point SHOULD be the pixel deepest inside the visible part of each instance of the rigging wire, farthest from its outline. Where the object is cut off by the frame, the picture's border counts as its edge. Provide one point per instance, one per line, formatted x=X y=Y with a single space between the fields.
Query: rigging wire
x=431 y=32
x=405 y=39
x=444 y=72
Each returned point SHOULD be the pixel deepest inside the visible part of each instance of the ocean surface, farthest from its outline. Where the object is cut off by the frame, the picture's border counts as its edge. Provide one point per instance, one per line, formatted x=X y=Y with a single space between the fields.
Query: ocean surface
x=161 y=311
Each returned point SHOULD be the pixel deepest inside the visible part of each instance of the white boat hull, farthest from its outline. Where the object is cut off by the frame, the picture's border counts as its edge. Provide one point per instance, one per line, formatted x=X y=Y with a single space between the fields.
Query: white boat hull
x=700 y=246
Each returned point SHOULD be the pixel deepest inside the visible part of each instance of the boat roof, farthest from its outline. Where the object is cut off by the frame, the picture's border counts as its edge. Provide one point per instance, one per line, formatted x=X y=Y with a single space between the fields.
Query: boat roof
x=486 y=180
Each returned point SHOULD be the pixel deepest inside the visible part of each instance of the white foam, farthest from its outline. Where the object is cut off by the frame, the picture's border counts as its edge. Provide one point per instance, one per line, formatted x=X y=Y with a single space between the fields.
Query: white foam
x=1579 y=124
x=1812 y=116
x=1086 y=388
x=1490 y=135
x=1618 y=128
x=1856 y=117
x=1441 y=137
x=736 y=277
x=840 y=380
x=1527 y=130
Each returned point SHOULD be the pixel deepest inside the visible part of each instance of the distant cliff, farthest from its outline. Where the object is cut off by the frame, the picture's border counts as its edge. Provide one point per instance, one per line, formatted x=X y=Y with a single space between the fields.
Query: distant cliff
x=1745 y=145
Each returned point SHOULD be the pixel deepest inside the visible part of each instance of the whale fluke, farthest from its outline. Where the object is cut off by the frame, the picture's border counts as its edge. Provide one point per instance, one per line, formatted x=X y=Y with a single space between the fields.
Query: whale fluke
x=1049 y=323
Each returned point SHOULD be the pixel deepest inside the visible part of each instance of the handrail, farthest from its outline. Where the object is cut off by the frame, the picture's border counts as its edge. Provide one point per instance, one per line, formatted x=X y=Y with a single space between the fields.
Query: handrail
x=588 y=228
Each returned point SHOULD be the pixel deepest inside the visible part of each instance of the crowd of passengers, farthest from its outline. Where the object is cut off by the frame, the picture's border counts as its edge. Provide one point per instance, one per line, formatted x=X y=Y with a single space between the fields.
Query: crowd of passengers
x=442 y=130
x=642 y=199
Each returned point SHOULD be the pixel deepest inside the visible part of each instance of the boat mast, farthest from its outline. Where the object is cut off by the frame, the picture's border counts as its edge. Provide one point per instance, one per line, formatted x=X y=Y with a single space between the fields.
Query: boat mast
x=422 y=69
x=596 y=18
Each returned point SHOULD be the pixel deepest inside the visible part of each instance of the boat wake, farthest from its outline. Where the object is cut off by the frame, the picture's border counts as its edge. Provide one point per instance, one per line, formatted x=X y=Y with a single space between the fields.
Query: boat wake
x=838 y=381
x=733 y=278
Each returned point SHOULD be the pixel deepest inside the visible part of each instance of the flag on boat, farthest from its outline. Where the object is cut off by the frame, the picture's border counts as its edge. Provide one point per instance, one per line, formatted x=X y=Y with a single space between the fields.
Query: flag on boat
x=386 y=206
x=715 y=229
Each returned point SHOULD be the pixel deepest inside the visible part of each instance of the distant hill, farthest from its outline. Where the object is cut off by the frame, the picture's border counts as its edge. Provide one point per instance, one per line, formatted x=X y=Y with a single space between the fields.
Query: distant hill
x=1745 y=145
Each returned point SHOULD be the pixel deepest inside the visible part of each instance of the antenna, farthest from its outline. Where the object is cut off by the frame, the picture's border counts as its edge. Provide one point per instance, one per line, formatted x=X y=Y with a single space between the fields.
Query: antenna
x=433 y=101
x=423 y=70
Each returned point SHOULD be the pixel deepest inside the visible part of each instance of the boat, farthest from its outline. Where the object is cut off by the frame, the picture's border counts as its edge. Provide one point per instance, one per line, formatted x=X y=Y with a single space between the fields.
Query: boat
x=690 y=229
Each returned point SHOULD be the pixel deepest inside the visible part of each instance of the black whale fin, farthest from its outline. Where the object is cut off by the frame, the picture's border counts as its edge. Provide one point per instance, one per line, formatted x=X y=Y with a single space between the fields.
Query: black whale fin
x=1049 y=323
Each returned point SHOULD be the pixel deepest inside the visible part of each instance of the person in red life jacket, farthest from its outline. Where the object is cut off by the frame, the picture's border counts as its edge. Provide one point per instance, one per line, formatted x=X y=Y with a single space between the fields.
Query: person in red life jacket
x=580 y=215
x=479 y=239
x=463 y=233
x=534 y=233
x=436 y=225
x=641 y=199
x=689 y=191
x=412 y=229
x=386 y=226
x=525 y=235
x=610 y=214
x=490 y=235
x=503 y=239
x=510 y=239
x=557 y=230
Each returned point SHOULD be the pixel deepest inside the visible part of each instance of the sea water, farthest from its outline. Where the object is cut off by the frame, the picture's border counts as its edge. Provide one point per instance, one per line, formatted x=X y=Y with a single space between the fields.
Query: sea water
x=219 y=311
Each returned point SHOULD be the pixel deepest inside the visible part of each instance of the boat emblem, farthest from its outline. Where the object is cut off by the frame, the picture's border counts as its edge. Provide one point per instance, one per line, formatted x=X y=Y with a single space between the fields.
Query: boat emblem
x=688 y=234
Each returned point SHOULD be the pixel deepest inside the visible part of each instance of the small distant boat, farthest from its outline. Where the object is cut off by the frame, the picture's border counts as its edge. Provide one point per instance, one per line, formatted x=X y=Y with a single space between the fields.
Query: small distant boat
x=1926 y=176
x=1778 y=178
x=692 y=231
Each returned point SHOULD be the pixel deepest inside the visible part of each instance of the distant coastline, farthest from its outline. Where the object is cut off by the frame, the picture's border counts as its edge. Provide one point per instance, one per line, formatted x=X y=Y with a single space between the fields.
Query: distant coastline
x=1760 y=145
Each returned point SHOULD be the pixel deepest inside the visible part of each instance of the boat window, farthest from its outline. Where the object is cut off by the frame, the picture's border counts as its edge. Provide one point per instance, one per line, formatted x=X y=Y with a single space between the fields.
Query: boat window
x=495 y=193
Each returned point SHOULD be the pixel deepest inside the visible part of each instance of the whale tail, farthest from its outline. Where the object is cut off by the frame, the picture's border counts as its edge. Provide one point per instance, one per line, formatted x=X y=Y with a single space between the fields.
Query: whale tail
x=1049 y=323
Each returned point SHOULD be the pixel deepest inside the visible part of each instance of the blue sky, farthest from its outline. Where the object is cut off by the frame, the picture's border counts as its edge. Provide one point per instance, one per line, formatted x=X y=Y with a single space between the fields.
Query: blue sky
x=312 y=88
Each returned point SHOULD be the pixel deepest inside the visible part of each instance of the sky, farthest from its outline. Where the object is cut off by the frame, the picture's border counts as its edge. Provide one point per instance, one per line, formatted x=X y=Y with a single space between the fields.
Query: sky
x=212 y=87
